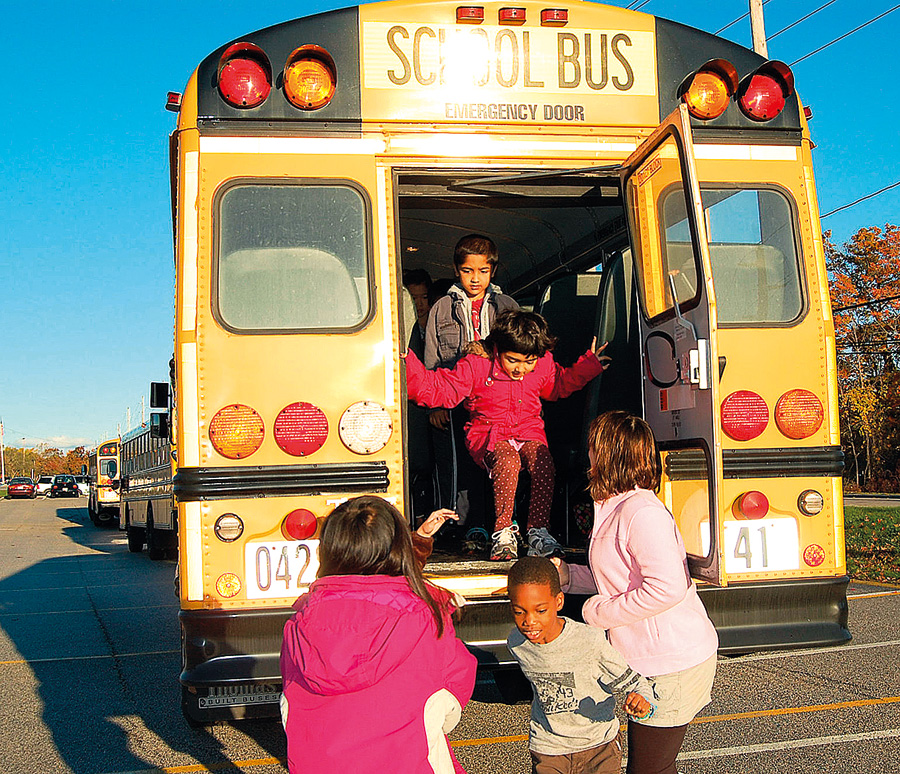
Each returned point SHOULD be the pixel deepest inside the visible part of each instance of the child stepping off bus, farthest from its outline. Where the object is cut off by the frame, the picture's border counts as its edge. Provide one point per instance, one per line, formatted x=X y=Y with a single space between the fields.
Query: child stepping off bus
x=503 y=391
x=574 y=673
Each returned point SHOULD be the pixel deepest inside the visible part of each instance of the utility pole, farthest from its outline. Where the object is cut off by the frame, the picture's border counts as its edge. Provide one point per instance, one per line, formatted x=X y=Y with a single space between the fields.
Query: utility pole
x=758 y=28
x=2 y=457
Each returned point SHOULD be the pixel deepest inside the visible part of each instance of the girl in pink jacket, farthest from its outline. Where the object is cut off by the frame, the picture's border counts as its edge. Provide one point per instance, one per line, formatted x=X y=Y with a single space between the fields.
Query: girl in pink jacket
x=503 y=393
x=374 y=676
x=642 y=591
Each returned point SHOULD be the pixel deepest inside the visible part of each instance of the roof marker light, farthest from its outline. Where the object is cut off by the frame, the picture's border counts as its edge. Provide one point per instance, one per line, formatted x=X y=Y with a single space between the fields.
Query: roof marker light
x=469 y=14
x=173 y=101
x=512 y=16
x=554 y=17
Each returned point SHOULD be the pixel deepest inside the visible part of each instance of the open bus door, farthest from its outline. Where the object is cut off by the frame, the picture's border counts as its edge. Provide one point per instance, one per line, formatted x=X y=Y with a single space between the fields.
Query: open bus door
x=677 y=323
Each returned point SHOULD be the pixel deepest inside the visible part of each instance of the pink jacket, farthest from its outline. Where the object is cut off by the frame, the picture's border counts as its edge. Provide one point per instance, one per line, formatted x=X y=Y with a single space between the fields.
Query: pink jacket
x=369 y=687
x=643 y=593
x=501 y=408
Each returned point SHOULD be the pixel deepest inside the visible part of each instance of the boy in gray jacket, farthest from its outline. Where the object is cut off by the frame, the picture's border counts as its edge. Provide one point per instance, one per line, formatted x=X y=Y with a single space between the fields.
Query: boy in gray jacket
x=573 y=671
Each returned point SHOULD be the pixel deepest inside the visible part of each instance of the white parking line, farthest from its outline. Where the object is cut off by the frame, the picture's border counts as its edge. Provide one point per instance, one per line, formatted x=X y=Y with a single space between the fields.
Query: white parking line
x=791 y=744
x=804 y=652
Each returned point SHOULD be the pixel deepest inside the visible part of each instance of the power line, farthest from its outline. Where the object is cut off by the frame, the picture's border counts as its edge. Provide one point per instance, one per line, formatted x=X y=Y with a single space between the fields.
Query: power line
x=865 y=303
x=811 y=13
x=862 y=198
x=739 y=18
x=846 y=34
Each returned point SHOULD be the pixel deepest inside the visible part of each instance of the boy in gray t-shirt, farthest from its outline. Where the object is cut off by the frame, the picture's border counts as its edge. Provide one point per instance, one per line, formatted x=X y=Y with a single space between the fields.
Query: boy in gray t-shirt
x=574 y=672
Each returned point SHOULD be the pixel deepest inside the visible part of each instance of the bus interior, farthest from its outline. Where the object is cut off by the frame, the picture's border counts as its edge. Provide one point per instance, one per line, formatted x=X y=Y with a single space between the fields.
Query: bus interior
x=563 y=252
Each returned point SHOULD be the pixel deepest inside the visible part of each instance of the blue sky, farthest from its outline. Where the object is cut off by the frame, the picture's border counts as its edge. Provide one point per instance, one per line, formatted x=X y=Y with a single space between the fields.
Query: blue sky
x=86 y=273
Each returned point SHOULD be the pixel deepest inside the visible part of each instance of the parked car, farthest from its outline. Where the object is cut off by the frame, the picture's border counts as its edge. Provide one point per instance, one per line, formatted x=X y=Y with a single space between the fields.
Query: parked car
x=22 y=486
x=43 y=485
x=64 y=485
x=84 y=488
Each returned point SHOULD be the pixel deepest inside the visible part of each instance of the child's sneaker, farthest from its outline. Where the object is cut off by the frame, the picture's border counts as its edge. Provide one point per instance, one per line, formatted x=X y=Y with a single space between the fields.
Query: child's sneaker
x=476 y=541
x=542 y=543
x=505 y=546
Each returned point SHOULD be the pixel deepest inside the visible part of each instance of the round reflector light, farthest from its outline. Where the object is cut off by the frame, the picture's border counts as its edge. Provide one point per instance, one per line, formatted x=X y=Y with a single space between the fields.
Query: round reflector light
x=365 y=427
x=228 y=527
x=763 y=98
x=310 y=78
x=707 y=96
x=799 y=414
x=299 y=525
x=244 y=83
x=228 y=585
x=814 y=555
x=810 y=502
x=236 y=431
x=751 y=505
x=744 y=415
x=300 y=429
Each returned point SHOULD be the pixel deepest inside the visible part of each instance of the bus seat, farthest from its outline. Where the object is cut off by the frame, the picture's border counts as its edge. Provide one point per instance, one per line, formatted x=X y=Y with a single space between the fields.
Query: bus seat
x=287 y=287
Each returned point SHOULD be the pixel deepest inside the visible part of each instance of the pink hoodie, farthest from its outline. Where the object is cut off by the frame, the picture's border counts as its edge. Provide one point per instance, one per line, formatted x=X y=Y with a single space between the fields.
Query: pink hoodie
x=644 y=594
x=369 y=687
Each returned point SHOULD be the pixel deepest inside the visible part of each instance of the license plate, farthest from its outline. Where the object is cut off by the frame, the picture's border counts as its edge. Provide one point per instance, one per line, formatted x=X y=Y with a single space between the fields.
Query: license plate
x=767 y=545
x=280 y=568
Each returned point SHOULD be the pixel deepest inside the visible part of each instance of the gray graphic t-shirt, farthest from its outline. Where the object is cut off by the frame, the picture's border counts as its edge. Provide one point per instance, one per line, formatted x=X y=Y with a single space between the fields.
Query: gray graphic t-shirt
x=574 y=679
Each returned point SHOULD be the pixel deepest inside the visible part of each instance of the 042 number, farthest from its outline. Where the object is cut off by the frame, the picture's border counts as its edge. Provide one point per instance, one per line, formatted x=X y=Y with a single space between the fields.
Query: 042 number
x=282 y=568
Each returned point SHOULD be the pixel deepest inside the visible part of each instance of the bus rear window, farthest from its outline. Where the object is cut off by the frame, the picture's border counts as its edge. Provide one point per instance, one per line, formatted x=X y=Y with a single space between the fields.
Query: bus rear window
x=753 y=252
x=292 y=256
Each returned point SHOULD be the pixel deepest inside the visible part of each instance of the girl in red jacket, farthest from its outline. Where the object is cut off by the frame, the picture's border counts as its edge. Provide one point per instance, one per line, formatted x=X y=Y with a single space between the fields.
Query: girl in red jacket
x=374 y=676
x=503 y=394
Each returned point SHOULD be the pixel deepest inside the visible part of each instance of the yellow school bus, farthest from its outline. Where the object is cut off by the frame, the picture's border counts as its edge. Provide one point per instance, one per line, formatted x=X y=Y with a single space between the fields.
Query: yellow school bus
x=644 y=181
x=103 y=476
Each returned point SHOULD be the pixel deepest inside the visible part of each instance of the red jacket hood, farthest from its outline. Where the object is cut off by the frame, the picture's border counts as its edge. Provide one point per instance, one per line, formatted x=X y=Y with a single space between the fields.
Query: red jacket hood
x=356 y=629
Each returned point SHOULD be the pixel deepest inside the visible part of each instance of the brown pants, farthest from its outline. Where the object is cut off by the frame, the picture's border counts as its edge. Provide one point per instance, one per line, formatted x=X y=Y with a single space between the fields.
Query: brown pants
x=653 y=749
x=605 y=759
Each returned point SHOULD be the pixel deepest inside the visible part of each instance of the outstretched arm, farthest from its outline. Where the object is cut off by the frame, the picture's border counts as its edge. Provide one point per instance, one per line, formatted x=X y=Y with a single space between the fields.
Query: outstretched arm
x=564 y=381
x=442 y=388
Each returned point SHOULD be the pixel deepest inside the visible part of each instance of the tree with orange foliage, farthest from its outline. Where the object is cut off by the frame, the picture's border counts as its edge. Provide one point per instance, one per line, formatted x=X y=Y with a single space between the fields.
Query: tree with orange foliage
x=864 y=275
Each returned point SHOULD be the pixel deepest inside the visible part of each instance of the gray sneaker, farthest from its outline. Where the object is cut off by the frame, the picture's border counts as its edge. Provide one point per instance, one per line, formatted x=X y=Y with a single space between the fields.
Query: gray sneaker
x=542 y=543
x=505 y=545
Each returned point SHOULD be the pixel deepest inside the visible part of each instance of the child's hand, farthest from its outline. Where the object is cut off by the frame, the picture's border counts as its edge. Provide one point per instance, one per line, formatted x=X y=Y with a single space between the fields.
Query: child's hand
x=637 y=706
x=563 y=570
x=435 y=521
x=605 y=360
x=439 y=418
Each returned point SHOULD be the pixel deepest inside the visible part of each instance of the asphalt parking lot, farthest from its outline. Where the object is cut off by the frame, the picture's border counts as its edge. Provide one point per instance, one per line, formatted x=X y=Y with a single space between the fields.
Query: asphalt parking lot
x=89 y=658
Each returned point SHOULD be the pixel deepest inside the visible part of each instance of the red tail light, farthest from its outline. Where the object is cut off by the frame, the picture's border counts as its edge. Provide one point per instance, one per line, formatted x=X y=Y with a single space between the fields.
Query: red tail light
x=751 y=505
x=245 y=76
x=300 y=429
x=744 y=415
x=799 y=414
x=299 y=525
x=762 y=94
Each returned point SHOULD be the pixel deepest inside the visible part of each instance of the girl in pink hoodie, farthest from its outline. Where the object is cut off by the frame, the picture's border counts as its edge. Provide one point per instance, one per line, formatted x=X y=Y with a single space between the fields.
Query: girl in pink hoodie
x=374 y=676
x=642 y=591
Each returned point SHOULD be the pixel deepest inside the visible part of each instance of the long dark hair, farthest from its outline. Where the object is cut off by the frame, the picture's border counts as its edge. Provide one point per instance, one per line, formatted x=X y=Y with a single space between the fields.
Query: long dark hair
x=522 y=332
x=368 y=536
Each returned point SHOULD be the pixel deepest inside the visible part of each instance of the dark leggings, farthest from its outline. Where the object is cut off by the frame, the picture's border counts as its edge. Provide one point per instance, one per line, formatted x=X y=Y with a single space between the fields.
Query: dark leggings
x=652 y=749
x=505 y=462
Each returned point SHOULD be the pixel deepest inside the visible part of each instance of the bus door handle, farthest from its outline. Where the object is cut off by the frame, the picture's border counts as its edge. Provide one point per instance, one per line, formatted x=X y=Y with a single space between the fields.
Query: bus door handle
x=698 y=369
